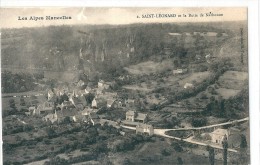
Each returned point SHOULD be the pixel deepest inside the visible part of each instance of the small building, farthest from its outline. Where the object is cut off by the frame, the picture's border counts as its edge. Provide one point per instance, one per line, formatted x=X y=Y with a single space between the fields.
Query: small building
x=144 y=129
x=80 y=83
x=31 y=111
x=50 y=94
x=79 y=118
x=198 y=57
x=129 y=103
x=174 y=34
x=188 y=85
x=130 y=115
x=218 y=135
x=62 y=114
x=136 y=117
x=98 y=103
x=79 y=102
x=86 y=111
x=50 y=117
x=208 y=58
x=110 y=103
x=180 y=71
x=102 y=84
x=66 y=105
x=141 y=117
x=46 y=107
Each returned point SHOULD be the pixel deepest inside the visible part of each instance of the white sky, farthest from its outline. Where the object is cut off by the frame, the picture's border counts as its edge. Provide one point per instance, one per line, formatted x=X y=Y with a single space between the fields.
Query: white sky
x=9 y=16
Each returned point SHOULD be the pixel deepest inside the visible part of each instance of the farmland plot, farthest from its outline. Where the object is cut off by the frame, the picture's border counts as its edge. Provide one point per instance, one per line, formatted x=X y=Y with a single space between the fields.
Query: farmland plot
x=233 y=79
x=150 y=67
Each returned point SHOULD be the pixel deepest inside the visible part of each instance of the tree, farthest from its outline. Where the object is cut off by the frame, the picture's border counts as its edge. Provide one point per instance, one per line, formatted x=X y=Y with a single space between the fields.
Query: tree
x=219 y=34
x=50 y=132
x=211 y=154
x=22 y=102
x=225 y=147
x=180 y=161
x=199 y=122
x=243 y=143
x=177 y=147
x=66 y=120
x=243 y=148
x=89 y=98
x=165 y=152
x=12 y=103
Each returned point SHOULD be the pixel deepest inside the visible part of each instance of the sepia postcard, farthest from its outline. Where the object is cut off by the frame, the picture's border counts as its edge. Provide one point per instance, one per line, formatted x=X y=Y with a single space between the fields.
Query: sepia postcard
x=125 y=86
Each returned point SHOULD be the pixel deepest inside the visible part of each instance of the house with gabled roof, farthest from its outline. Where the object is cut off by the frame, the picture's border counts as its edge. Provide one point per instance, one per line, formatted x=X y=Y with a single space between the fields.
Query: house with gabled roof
x=180 y=71
x=219 y=135
x=78 y=102
x=62 y=114
x=98 y=103
x=50 y=94
x=144 y=129
x=50 y=117
x=188 y=85
x=101 y=84
x=66 y=105
x=111 y=103
x=129 y=103
x=134 y=116
x=46 y=107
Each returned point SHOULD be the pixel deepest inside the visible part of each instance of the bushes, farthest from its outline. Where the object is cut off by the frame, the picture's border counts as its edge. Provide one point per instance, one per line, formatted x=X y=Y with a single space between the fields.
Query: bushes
x=18 y=82
x=127 y=143
x=27 y=128
x=176 y=146
x=165 y=152
x=198 y=122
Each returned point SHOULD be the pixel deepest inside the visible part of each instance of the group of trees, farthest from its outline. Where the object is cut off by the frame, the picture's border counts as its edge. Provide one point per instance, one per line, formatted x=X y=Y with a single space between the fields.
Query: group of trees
x=127 y=143
x=18 y=82
x=242 y=152
x=146 y=39
x=217 y=69
x=234 y=107
x=198 y=121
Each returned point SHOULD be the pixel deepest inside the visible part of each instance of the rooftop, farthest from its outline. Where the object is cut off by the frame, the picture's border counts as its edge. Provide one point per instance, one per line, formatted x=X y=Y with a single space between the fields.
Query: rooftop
x=67 y=112
x=132 y=113
x=220 y=131
x=141 y=116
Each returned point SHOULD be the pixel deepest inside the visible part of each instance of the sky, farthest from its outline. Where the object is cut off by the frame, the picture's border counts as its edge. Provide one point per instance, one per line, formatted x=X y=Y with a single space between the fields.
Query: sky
x=9 y=16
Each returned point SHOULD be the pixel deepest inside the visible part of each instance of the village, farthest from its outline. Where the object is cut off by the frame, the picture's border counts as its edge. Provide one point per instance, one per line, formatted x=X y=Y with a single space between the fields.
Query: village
x=183 y=100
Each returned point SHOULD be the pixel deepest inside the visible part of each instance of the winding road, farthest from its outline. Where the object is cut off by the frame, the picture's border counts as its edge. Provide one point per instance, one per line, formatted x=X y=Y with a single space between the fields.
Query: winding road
x=161 y=132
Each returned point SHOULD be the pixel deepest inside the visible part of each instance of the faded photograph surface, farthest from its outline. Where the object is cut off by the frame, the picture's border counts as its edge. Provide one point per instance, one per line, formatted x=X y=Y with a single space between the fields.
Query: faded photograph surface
x=125 y=86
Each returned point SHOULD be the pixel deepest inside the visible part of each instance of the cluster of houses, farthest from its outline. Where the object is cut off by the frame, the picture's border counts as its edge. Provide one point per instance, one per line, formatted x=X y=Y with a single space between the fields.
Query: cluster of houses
x=138 y=120
x=64 y=102
x=72 y=104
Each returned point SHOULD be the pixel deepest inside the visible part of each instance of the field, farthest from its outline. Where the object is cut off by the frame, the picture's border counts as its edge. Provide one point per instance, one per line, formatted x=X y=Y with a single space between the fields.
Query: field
x=227 y=93
x=149 y=67
x=196 y=77
x=232 y=49
x=174 y=81
x=144 y=87
x=231 y=82
x=5 y=101
x=150 y=153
